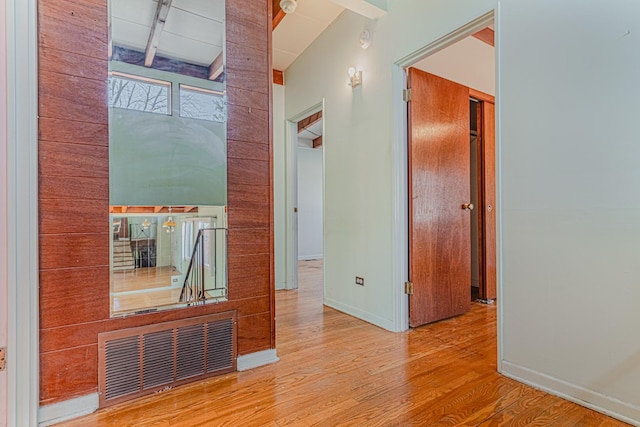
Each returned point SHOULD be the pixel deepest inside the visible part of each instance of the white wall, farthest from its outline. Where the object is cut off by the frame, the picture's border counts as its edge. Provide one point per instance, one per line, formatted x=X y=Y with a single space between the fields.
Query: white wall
x=570 y=205
x=279 y=185
x=309 y=203
x=567 y=106
x=358 y=122
x=3 y=210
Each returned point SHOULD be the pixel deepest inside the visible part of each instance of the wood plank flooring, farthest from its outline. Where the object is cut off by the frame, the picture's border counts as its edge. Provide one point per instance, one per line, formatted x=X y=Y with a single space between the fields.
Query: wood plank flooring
x=336 y=370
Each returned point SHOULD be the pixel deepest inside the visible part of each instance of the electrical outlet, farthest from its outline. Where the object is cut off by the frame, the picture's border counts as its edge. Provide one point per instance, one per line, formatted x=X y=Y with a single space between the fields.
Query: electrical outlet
x=360 y=281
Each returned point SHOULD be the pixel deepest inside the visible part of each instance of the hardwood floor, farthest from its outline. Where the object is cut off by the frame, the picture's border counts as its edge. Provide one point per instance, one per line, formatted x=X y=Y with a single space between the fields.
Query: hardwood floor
x=143 y=289
x=338 y=370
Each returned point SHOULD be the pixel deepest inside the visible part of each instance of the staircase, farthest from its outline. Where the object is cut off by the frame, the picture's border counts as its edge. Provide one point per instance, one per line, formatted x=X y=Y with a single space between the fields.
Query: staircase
x=122 y=256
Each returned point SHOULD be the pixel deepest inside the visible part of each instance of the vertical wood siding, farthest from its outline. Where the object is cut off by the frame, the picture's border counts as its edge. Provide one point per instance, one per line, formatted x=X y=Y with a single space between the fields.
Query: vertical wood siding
x=74 y=190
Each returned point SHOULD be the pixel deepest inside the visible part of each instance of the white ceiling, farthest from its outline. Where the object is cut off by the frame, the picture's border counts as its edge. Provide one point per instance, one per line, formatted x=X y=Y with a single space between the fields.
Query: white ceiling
x=299 y=29
x=193 y=31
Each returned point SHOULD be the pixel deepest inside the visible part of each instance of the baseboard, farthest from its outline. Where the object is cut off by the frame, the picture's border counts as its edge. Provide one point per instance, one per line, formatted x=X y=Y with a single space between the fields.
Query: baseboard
x=254 y=360
x=84 y=405
x=360 y=314
x=591 y=399
x=309 y=257
x=63 y=411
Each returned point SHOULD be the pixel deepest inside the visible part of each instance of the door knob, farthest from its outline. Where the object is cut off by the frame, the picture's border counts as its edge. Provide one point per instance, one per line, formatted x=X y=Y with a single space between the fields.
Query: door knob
x=468 y=206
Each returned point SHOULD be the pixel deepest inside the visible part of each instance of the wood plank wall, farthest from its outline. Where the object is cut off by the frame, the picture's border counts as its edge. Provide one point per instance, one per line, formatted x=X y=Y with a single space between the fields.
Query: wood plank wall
x=74 y=186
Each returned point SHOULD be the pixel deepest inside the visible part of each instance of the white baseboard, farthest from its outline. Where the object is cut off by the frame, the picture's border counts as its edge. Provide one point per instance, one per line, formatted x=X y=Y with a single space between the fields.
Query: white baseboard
x=84 y=405
x=309 y=257
x=361 y=314
x=72 y=408
x=591 y=399
x=254 y=360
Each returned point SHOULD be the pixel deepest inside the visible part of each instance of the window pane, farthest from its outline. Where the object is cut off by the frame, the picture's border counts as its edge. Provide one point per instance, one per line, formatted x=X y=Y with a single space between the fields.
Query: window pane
x=140 y=95
x=203 y=105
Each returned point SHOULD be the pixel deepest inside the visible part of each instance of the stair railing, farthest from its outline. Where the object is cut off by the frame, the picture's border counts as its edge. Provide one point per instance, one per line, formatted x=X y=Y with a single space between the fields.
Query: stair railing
x=193 y=288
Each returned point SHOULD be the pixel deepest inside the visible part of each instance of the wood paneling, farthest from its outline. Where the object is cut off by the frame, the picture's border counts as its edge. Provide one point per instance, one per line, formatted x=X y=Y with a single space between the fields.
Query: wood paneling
x=72 y=98
x=88 y=216
x=74 y=173
x=247 y=150
x=254 y=333
x=61 y=187
x=74 y=26
x=95 y=134
x=254 y=122
x=246 y=98
x=77 y=335
x=68 y=373
x=248 y=276
x=80 y=301
x=59 y=251
x=247 y=172
x=249 y=241
x=73 y=160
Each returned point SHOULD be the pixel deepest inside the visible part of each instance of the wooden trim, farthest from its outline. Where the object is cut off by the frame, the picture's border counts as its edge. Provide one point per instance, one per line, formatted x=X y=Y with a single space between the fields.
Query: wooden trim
x=277 y=13
x=156 y=30
x=481 y=96
x=317 y=142
x=486 y=35
x=151 y=209
x=272 y=270
x=217 y=67
x=308 y=121
x=278 y=77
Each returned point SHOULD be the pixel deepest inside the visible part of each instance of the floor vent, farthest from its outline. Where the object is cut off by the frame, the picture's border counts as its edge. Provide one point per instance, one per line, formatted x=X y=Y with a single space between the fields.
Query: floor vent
x=139 y=361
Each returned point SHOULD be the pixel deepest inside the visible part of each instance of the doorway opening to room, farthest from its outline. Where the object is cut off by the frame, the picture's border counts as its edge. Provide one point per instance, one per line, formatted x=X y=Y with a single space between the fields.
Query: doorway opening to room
x=451 y=176
x=305 y=201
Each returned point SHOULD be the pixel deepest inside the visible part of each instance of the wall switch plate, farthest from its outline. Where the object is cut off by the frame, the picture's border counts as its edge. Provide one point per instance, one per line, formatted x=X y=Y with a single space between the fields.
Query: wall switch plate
x=360 y=281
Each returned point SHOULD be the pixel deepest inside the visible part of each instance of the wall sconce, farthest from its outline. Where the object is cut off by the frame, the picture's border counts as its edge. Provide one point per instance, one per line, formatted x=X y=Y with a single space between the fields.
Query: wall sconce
x=355 y=77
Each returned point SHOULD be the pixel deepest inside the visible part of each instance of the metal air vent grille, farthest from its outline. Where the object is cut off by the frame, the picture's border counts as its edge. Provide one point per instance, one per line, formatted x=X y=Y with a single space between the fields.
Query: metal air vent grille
x=138 y=361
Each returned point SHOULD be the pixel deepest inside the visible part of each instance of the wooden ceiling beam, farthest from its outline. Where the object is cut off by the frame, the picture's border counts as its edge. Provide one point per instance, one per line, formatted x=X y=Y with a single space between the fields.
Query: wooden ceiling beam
x=486 y=35
x=278 y=14
x=156 y=30
x=308 y=121
x=278 y=77
x=217 y=67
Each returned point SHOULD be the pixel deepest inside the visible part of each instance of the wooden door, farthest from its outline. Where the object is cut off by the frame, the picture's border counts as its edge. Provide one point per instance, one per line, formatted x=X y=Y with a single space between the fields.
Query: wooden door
x=439 y=189
x=488 y=290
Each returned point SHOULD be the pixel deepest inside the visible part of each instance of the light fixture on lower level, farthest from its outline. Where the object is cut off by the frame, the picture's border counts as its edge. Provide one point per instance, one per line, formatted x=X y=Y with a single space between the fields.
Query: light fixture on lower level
x=146 y=223
x=288 y=6
x=169 y=224
x=355 y=77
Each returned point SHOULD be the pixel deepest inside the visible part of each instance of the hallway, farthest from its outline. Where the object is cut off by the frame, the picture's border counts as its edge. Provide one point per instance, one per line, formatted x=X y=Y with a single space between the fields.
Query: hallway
x=337 y=370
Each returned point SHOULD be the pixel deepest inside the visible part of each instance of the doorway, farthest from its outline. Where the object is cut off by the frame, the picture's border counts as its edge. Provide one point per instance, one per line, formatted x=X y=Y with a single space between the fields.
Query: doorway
x=304 y=217
x=451 y=178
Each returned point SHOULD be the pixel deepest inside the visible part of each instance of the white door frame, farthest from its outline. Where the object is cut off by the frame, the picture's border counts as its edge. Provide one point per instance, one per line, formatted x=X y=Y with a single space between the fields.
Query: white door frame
x=400 y=216
x=291 y=194
x=21 y=202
